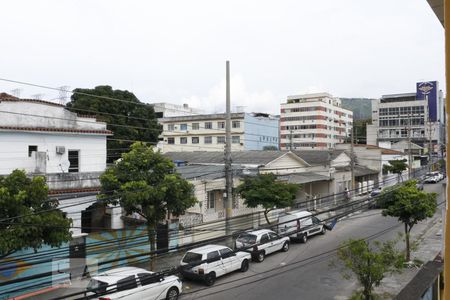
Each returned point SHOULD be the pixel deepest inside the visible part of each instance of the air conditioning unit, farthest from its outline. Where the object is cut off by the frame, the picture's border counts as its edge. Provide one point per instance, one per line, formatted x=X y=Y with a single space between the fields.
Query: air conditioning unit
x=60 y=149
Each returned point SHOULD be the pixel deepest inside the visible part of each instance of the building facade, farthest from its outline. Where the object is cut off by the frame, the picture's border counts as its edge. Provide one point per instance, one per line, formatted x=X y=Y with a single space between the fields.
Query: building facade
x=418 y=116
x=163 y=110
x=313 y=121
x=249 y=131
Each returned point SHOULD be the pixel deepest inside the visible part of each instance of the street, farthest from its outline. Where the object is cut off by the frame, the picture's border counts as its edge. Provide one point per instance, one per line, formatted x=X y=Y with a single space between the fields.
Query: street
x=302 y=273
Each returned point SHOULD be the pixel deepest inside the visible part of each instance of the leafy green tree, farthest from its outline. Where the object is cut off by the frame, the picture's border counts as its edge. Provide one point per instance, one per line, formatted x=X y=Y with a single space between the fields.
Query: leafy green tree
x=270 y=148
x=266 y=191
x=410 y=206
x=144 y=182
x=28 y=219
x=130 y=120
x=396 y=167
x=369 y=263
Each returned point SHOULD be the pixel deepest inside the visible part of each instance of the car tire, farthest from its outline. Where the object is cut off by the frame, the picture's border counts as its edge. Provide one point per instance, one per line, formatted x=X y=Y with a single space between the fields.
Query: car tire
x=210 y=279
x=304 y=238
x=244 y=266
x=172 y=294
x=285 y=247
x=260 y=256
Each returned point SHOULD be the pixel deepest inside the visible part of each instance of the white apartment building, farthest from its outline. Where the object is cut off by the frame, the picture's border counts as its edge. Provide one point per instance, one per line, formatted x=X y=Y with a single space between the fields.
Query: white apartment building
x=44 y=137
x=164 y=109
x=418 y=116
x=249 y=131
x=313 y=121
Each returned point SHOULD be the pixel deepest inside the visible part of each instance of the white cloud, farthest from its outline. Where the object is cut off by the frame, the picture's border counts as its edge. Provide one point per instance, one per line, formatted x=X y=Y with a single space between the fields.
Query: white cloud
x=241 y=98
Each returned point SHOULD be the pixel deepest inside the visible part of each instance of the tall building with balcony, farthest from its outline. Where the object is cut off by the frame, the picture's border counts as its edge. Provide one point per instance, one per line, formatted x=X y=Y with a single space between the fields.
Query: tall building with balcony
x=249 y=131
x=313 y=121
x=417 y=116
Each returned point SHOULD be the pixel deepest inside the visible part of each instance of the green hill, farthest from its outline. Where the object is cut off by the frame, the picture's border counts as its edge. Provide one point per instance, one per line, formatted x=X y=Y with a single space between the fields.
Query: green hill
x=361 y=107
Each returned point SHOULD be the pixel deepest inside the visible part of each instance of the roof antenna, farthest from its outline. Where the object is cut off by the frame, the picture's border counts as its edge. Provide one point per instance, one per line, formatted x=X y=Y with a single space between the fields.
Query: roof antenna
x=16 y=92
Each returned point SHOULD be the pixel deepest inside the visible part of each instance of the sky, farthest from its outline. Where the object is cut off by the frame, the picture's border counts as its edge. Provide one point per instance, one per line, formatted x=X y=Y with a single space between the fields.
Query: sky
x=175 y=51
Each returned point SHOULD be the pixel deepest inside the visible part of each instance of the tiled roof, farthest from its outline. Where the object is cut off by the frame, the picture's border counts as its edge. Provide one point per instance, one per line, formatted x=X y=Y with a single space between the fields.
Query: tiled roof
x=47 y=129
x=69 y=191
x=315 y=157
x=391 y=152
x=15 y=99
x=251 y=157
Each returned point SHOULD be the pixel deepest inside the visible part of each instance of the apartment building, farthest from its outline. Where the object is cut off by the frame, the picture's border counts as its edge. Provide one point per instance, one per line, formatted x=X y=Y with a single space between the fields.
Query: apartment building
x=165 y=109
x=313 y=121
x=418 y=116
x=249 y=131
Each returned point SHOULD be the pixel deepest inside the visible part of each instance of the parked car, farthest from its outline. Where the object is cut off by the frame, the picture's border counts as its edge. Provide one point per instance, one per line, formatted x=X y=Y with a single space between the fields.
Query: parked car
x=299 y=225
x=432 y=179
x=209 y=262
x=259 y=243
x=130 y=283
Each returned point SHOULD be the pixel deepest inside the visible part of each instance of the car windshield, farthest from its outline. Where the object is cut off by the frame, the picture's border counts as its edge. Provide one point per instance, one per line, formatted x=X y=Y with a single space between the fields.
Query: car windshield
x=97 y=286
x=192 y=257
x=247 y=238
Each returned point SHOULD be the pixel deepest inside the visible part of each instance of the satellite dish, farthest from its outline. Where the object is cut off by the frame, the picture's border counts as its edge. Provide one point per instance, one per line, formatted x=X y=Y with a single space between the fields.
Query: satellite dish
x=65 y=164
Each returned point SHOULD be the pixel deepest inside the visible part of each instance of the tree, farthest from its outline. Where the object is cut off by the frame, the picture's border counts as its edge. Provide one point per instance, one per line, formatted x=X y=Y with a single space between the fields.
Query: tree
x=144 y=182
x=396 y=167
x=369 y=263
x=410 y=206
x=28 y=218
x=270 y=148
x=130 y=120
x=266 y=191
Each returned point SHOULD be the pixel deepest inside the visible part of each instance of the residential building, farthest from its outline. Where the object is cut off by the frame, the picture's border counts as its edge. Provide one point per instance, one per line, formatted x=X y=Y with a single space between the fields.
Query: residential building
x=313 y=121
x=249 y=131
x=44 y=138
x=164 y=109
x=416 y=116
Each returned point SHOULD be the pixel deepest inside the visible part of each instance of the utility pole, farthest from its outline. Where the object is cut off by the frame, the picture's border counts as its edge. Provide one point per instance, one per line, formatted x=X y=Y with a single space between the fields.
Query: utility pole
x=290 y=138
x=352 y=161
x=228 y=170
x=409 y=148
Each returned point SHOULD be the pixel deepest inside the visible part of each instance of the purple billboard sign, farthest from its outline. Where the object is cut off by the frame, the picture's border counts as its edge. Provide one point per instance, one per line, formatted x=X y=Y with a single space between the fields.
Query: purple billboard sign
x=428 y=90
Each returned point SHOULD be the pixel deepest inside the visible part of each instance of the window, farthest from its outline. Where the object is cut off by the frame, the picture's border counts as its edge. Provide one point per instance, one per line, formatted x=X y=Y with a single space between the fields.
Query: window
x=221 y=125
x=220 y=140
x=183 y=140
x=146 y=278
x=208 y=139
x=208 y=125
x=195 y=126
x=171 y=141
x=264 y=239
x=31 y=149
x=236 y=139
x=225 y=253
x=236 y=124
x=192 y=257
x=183 y=126
x=74 y=159
x=126 y=283
x=213 y=256
x=211 y=199
x=273 y=236
x=195 y=140
x=170 y=127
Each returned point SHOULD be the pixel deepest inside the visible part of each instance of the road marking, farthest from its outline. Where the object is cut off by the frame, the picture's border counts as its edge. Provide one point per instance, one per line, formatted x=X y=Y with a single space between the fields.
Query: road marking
x=283 y=264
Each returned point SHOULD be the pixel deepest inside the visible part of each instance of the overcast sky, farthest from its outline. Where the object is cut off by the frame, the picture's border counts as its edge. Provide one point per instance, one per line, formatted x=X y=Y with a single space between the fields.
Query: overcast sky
x=175 y=51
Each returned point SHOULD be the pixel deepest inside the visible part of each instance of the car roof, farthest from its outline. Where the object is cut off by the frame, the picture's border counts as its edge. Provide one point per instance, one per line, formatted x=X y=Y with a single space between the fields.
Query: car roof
x=207 y=249
x=113 y=275
x=299 y=213
x=257 y=232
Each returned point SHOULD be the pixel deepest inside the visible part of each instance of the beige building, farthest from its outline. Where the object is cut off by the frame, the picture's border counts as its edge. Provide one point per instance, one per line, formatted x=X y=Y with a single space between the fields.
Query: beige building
x=313 y=121
x=249 y=131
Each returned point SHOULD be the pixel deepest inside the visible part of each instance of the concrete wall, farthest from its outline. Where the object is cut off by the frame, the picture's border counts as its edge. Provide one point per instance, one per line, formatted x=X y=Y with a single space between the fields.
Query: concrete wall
x=14 y=154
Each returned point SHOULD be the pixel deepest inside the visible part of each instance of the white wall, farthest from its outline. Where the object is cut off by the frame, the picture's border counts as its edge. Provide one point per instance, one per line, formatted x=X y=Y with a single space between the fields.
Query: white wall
x=14 y=151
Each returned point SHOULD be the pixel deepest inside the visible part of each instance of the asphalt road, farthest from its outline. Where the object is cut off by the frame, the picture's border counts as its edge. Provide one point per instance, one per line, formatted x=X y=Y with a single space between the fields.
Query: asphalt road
x=304 y=272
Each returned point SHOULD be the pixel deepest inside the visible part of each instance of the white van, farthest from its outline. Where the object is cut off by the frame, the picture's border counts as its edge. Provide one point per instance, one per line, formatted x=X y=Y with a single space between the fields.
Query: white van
x=299 y=225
